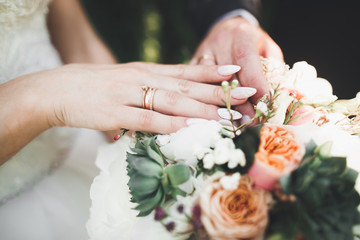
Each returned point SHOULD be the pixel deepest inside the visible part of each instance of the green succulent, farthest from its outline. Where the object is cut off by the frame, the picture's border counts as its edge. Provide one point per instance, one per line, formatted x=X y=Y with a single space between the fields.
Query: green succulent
x=152 y=180
x=326 y=200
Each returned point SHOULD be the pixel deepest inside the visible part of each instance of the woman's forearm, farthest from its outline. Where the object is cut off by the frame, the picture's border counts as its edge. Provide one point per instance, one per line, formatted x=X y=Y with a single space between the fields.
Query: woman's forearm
x=73 y=35
x=22 y=115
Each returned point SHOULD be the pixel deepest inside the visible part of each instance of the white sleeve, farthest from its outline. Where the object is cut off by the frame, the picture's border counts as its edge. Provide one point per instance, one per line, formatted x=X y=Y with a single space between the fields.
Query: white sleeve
x=239 y=13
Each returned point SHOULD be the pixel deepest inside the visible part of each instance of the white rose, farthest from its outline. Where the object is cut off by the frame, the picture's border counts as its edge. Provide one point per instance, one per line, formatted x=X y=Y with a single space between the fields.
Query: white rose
x=303 y=78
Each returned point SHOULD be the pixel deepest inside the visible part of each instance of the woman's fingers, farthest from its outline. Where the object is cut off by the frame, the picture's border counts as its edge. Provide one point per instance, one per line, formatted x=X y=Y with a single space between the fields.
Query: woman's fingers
x=170 y=103
x=150 y=121
x=173 y=103
x=196 y=73
x=206 y=93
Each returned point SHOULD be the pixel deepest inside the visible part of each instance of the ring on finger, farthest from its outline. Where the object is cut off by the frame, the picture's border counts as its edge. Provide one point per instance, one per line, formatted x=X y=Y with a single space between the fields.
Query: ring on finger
x=207 y=57
x=148 y=97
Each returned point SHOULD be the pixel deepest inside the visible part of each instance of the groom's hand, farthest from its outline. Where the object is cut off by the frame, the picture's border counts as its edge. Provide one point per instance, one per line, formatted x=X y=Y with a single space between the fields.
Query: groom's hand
x=236 y=41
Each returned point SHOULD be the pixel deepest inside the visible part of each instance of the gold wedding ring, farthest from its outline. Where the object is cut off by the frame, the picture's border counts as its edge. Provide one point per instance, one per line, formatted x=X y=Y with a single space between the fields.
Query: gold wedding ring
x=148 y=97
x=207 y=57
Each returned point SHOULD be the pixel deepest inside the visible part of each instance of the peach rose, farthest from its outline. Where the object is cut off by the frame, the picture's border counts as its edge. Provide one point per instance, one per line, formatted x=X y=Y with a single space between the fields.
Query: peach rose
x=234 y=214
x=279 y=154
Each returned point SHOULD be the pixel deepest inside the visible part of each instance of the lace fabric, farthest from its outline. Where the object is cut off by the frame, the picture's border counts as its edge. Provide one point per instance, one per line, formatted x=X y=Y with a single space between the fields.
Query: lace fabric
x=25 y=47
x=14 y=11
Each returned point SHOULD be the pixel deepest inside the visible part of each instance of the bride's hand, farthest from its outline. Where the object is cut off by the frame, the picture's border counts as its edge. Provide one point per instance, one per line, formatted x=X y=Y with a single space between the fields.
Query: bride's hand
x=109 y=97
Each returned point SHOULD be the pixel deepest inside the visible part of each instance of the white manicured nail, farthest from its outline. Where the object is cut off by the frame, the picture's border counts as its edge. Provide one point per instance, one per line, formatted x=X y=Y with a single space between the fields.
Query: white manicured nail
x=224 y=114
x=243 y=92
x=245 y=119
x=191 y=121
x=225 y=122
x=228 y=69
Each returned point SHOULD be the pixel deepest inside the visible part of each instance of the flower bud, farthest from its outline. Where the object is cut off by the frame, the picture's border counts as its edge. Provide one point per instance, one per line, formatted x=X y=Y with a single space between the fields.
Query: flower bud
x=234 y=83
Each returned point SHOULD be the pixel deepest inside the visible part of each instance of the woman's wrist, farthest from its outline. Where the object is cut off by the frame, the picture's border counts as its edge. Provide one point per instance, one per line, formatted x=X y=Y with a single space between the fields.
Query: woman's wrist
x=22 y=115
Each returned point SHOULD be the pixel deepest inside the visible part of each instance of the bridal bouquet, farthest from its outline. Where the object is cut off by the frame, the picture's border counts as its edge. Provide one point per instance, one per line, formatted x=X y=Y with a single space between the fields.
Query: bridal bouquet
x=293 y=175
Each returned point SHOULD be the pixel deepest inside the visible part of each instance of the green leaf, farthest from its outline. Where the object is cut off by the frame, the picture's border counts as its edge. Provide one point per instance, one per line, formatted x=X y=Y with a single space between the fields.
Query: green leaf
x=333 y=165
x=154 y=146
x=326 y=201
x=249 y=142
x=155 y=155
x=177 y=191
x=350 y=175
x=294 y=105
x=148 y=205
x=324 y=150
x=177 y=174
x=143 y=185
x=276 y=236
x=139 y=151
x=145 y=166
x=310 y=148
x=285 y=183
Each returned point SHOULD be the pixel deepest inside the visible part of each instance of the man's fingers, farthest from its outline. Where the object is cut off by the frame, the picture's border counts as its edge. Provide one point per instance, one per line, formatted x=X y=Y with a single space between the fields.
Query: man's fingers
x=206 y=59
x=247 y=111
x=271 y=49
x=251 y=74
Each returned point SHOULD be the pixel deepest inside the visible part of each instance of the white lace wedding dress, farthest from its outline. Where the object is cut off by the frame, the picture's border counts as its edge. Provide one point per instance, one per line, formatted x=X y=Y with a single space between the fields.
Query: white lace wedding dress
x=44 y=188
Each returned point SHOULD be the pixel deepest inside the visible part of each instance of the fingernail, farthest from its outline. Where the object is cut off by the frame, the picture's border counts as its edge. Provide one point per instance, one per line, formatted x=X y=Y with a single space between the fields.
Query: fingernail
x=245 y=119
x=191 y=121
x=225 y=122
x=243 y=92
x=228 y=69
x=224 y=114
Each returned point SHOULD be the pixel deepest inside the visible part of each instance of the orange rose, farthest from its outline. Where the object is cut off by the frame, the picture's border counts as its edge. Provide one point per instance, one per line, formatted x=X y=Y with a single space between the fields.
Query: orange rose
x=279 y=153
x=234 y=214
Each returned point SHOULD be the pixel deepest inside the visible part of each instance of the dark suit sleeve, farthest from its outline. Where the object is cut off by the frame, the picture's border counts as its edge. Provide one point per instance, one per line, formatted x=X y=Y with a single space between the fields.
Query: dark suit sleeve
x=205 y=12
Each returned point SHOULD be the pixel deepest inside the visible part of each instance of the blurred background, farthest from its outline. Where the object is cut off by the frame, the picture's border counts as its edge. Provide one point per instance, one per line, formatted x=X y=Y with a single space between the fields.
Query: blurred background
x=325 y=33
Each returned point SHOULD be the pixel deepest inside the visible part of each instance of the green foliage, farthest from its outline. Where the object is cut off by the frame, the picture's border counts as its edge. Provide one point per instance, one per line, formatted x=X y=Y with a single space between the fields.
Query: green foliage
x=151 y=181
x=326 y=201
x=294 y=106
x=248 y=142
